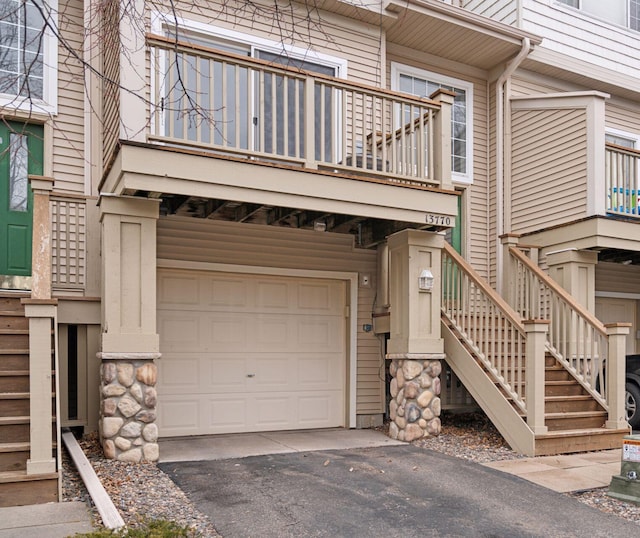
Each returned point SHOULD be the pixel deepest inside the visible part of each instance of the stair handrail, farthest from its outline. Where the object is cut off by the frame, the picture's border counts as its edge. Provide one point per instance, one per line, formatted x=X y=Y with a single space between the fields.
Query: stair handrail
x=576 y=338
x=482 y=319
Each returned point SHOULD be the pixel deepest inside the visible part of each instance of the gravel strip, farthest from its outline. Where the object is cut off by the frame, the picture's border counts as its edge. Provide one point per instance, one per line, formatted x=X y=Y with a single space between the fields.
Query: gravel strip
x=142 y=491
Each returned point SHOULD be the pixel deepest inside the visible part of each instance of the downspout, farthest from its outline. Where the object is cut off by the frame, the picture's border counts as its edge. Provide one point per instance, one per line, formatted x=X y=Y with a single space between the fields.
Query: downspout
x=500 y=101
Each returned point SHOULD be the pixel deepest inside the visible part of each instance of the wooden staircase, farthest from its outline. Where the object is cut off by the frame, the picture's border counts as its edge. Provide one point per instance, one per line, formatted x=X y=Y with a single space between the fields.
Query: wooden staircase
x=16 y=486
x=574 y=419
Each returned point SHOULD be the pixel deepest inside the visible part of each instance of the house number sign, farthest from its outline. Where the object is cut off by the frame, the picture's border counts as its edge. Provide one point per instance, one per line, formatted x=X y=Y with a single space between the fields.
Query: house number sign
x=439 y=220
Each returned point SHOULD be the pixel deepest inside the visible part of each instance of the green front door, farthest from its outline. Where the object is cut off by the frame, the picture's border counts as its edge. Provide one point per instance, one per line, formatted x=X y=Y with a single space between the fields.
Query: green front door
x=20 y=154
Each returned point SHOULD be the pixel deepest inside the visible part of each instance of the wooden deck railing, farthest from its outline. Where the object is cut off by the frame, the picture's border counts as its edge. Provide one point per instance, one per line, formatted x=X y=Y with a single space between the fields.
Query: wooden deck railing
x=248 y=107
x=622 y=167
x=576 y=338
x=486 y=323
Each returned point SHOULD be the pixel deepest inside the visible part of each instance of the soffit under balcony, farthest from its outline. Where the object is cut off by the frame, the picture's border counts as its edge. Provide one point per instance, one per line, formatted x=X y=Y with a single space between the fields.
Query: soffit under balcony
x=442 y=30
x=205 y=186
x=616 y=239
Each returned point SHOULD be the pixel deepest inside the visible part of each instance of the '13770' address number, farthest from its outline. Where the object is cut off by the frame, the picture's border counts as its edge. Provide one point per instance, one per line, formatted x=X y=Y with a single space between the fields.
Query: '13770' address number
x=439 y=220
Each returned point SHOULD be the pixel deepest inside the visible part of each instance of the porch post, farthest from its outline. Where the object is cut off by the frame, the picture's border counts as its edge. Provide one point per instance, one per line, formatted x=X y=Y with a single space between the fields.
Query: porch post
x=536 y=330
x=507 y=282
x=41 y=311
x=575 y=271
x=129 y=344
x=442 y=138
x=415 y=347
x=615 y=372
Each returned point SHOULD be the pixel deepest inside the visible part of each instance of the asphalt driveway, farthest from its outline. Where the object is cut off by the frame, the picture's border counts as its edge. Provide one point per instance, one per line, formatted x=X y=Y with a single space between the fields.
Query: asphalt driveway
x=397 y=491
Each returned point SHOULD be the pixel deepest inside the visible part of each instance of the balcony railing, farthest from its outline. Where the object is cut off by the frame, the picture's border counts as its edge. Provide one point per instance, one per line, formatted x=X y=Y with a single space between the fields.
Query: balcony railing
x=234 y=105
x=622 y=180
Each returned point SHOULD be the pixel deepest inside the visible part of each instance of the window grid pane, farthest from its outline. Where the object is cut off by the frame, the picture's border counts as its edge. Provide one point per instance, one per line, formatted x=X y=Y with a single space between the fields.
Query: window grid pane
x=21 y=49
x=425 y=88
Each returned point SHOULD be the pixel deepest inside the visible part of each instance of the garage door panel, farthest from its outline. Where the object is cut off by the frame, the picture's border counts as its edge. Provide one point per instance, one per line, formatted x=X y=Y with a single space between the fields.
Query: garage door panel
x=178 y=289
x=226 y=292
x=180 y=331
x=255 y=353
x=179 y=373
x=179 y=415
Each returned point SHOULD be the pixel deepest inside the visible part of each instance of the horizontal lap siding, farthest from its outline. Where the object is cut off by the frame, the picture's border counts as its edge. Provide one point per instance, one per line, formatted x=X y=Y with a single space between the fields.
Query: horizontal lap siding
x=201 y=240
x=617 y=278
x=68 y=125
x=549 y=168
x=505 y=11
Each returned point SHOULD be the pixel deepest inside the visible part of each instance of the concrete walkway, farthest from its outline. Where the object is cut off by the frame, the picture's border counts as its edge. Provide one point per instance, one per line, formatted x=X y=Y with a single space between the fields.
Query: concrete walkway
x=242 y=445
x=52 y=520
x=572 y=472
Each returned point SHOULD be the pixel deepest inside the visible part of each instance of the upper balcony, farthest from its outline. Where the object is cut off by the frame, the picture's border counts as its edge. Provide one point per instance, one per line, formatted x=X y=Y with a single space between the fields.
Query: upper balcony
x=571 y=185
x=222 y=126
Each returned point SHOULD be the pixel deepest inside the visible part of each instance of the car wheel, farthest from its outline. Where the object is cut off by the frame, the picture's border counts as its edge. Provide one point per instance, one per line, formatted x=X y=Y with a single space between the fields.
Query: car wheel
x=632 y=405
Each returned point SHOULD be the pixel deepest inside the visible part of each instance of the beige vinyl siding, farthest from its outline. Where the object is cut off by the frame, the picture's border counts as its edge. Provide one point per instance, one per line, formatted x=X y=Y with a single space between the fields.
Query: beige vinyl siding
x=68 y=124
x=110 y=80
x=623 y=115
x=505 y=11
x=549 y=168
x=617 y=278
x=582 y=37
x=320 y=31
x=201 y=240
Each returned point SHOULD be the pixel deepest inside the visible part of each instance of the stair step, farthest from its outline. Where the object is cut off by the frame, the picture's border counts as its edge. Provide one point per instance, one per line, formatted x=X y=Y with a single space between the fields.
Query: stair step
x=14 y=331
x=14 y=381
x=17 y=488
x=5 y=421
x=14 y=395
x=575 y=420
x=14 y=447
x=20 y=351
x=580 y=440
x=571 y=404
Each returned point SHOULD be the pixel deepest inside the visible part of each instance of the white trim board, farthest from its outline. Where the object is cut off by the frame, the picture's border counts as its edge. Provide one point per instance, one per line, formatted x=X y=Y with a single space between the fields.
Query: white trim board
x=617 y=295
x=349 y=277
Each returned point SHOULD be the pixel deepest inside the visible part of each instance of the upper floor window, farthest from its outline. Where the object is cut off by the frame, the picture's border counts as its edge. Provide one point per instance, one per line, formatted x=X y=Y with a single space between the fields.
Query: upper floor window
x=621 y=12
x=27 y=54
x=415 y=81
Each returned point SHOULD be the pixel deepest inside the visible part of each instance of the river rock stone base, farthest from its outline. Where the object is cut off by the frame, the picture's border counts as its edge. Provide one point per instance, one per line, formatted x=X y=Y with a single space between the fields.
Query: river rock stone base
x=415 y=404
x=128 y=431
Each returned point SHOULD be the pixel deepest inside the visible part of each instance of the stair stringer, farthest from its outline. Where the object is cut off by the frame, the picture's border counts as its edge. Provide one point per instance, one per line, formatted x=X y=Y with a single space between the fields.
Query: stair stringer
x=484 y=391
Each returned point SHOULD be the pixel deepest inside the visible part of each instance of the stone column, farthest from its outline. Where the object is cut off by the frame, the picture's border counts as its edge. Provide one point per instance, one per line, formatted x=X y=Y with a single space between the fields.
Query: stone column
x=575 y=271
x=415 y=345
x=130 y=343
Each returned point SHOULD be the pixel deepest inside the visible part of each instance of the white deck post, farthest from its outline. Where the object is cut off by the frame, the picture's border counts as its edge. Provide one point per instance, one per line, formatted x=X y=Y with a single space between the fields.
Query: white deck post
x=615 y=368
x=536 y=330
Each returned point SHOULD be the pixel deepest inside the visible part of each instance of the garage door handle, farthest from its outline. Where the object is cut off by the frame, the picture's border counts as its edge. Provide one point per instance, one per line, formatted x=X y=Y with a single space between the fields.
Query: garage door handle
x=251 y=375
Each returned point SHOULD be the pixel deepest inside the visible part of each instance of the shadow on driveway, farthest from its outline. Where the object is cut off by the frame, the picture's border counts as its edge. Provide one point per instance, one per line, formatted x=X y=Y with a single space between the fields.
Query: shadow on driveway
x=399 y=491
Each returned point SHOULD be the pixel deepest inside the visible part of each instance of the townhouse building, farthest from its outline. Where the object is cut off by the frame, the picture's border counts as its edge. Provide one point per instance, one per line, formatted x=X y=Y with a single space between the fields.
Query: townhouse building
x=227 y=217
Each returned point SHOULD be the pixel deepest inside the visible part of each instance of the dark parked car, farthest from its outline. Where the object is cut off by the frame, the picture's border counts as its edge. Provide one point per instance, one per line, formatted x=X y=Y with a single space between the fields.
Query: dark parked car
x=632 y=395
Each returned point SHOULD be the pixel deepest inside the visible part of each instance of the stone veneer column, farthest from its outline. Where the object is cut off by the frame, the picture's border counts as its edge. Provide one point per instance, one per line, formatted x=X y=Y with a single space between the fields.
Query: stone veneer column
x=415 y=346
x=129 y=343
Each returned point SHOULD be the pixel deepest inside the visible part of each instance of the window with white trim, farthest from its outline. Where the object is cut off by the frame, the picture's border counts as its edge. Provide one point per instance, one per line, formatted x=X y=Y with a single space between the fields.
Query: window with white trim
x=262 y=120
x=28 y=54
x=416 y=81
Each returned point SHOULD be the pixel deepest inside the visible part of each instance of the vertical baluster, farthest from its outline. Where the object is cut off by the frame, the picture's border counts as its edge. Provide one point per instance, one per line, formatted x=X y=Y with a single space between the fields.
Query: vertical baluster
x=320 y=123
x=420 y=147
x=285 y=115
x=225 y=106
x=274 y=115
x=430 y=142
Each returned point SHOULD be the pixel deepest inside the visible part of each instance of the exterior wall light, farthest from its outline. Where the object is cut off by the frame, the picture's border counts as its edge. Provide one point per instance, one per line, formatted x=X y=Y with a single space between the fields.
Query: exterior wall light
x=425 y=281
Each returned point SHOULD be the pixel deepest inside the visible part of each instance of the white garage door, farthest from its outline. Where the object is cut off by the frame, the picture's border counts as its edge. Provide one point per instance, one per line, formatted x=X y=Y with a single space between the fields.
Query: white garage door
x=243 y=353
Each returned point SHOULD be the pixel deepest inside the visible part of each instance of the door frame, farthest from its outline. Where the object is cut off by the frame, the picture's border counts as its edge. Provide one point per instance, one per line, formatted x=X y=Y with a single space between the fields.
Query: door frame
x=351 y=280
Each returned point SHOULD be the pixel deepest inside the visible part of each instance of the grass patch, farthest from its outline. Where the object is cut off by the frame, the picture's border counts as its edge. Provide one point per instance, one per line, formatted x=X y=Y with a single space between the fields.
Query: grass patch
x=150 y=529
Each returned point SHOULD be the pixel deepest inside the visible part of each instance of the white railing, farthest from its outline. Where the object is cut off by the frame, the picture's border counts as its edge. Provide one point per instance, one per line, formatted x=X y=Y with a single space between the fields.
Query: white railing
x=622 y=180
x=260 y=110
x=486 y=323
x=576 y=338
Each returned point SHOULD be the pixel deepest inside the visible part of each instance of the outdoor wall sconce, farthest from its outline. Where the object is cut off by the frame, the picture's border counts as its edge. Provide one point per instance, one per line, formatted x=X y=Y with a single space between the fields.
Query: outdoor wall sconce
x=425 y=281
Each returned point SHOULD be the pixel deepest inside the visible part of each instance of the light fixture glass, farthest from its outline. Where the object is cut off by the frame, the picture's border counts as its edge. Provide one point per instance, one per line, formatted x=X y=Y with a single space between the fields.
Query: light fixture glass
x=425 y=281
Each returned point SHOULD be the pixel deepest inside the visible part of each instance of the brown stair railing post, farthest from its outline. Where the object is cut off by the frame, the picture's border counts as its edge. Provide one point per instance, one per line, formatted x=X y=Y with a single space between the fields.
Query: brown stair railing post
x=536 y=330
x=615 y=372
